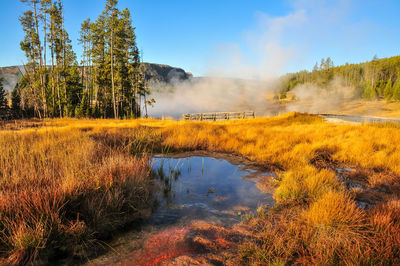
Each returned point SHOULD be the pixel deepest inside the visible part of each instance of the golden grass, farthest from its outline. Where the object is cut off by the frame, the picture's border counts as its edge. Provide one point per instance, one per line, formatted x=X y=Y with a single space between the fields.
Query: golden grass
x=62 y=189
x=306 y=184
x=315 y=220
x=289 y=143
x=324 y=225
x=336 y=229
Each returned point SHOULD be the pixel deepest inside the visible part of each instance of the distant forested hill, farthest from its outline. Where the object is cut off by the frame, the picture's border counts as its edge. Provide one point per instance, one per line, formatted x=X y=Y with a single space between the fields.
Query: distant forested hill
x=154 y=73
x=379 y=78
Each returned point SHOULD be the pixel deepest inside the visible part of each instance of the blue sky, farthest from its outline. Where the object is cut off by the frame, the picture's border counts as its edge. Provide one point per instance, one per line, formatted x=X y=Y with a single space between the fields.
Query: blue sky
x=234 y=37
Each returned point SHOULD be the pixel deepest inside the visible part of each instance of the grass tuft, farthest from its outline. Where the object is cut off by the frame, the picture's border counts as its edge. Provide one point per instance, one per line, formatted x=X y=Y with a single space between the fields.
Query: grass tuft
x=62 y=190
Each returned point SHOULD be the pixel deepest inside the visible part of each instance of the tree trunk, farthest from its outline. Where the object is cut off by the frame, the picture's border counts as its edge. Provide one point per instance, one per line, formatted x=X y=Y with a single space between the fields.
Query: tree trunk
x=112 y=73
x=40 y=61
x=52 y=80
x=90 y=78
x=58 y=94
x=64 y=52
x=44 y=46
x=45 y=64
x=86 y=74
x=136 y=96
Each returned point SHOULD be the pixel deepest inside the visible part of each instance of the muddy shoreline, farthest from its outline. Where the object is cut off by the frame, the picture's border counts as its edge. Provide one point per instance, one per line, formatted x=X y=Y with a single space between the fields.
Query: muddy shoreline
x=196 y=242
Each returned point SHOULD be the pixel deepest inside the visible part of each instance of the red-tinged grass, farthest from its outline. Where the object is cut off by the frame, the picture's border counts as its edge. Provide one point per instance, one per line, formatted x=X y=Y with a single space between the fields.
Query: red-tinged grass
x=385 y=221
x=331 y=231
x=336 y=230
x=63 y=190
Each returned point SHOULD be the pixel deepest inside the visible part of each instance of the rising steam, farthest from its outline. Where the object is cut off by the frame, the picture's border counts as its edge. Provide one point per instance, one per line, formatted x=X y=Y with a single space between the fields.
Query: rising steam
x=246 y=77
x=311 y=98
x=213 y=95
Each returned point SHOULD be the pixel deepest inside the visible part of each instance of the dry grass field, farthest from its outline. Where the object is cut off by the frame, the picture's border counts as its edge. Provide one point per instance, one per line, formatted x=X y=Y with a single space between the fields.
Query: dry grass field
x=65 y=182
x=63 y=191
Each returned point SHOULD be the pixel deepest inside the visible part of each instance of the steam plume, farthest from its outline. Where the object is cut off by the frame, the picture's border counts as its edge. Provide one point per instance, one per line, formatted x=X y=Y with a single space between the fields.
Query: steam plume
x=245 y=76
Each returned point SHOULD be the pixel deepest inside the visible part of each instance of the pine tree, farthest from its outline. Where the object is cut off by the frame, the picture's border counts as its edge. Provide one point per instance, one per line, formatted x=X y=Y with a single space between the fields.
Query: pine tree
x=315 y=68
x=110 y=77
x=3 y=101
x=111 y=14
x=369 y=92
x=59 y=87
x=71 y=77
x=35 y=15
x=396 y=90
x=44 y=7
x=115 y=58
x=53 y=13
x=98 y=54
x=16 y=103
x=85 y=40
x=329 y=63
x=31 y=48
x=57 y=52
x=388 y=92
x=322 y=65
x=127 y=66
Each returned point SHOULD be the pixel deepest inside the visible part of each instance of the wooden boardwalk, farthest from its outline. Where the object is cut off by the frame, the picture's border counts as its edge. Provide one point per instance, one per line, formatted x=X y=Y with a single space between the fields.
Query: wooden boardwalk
x=218 y=116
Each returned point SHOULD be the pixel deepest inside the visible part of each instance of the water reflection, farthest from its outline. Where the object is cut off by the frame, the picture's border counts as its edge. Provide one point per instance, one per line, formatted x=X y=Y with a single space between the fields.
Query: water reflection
x=203 y=188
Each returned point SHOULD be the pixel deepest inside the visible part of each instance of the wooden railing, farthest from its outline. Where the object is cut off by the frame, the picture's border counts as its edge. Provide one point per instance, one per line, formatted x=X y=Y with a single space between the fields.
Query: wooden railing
x=219 y=116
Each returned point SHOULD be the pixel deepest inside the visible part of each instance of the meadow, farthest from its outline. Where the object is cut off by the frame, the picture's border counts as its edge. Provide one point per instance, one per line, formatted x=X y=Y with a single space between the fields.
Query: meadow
x=67 y=185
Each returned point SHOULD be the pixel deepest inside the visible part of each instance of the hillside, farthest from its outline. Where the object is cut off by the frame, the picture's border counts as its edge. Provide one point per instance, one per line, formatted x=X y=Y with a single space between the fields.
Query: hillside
x=164 y=73
x=154 y=73
x=376 y=79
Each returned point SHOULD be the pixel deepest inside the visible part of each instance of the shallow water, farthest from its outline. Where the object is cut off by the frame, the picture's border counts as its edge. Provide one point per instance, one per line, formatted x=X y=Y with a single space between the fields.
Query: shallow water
x=196 y=194
x=204 y=188
x=360 y=119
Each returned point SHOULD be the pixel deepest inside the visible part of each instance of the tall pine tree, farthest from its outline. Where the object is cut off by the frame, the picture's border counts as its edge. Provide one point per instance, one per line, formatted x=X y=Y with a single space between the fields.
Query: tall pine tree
x=388 y=92
x=3 y=101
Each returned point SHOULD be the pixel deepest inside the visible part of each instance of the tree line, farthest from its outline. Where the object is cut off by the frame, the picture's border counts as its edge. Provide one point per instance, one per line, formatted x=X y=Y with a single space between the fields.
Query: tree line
x=108 y=82
x=376 y=79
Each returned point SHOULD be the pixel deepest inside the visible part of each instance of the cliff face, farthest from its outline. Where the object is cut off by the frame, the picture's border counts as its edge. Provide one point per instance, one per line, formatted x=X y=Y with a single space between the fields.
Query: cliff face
x=163 y=73
x=154 y=73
